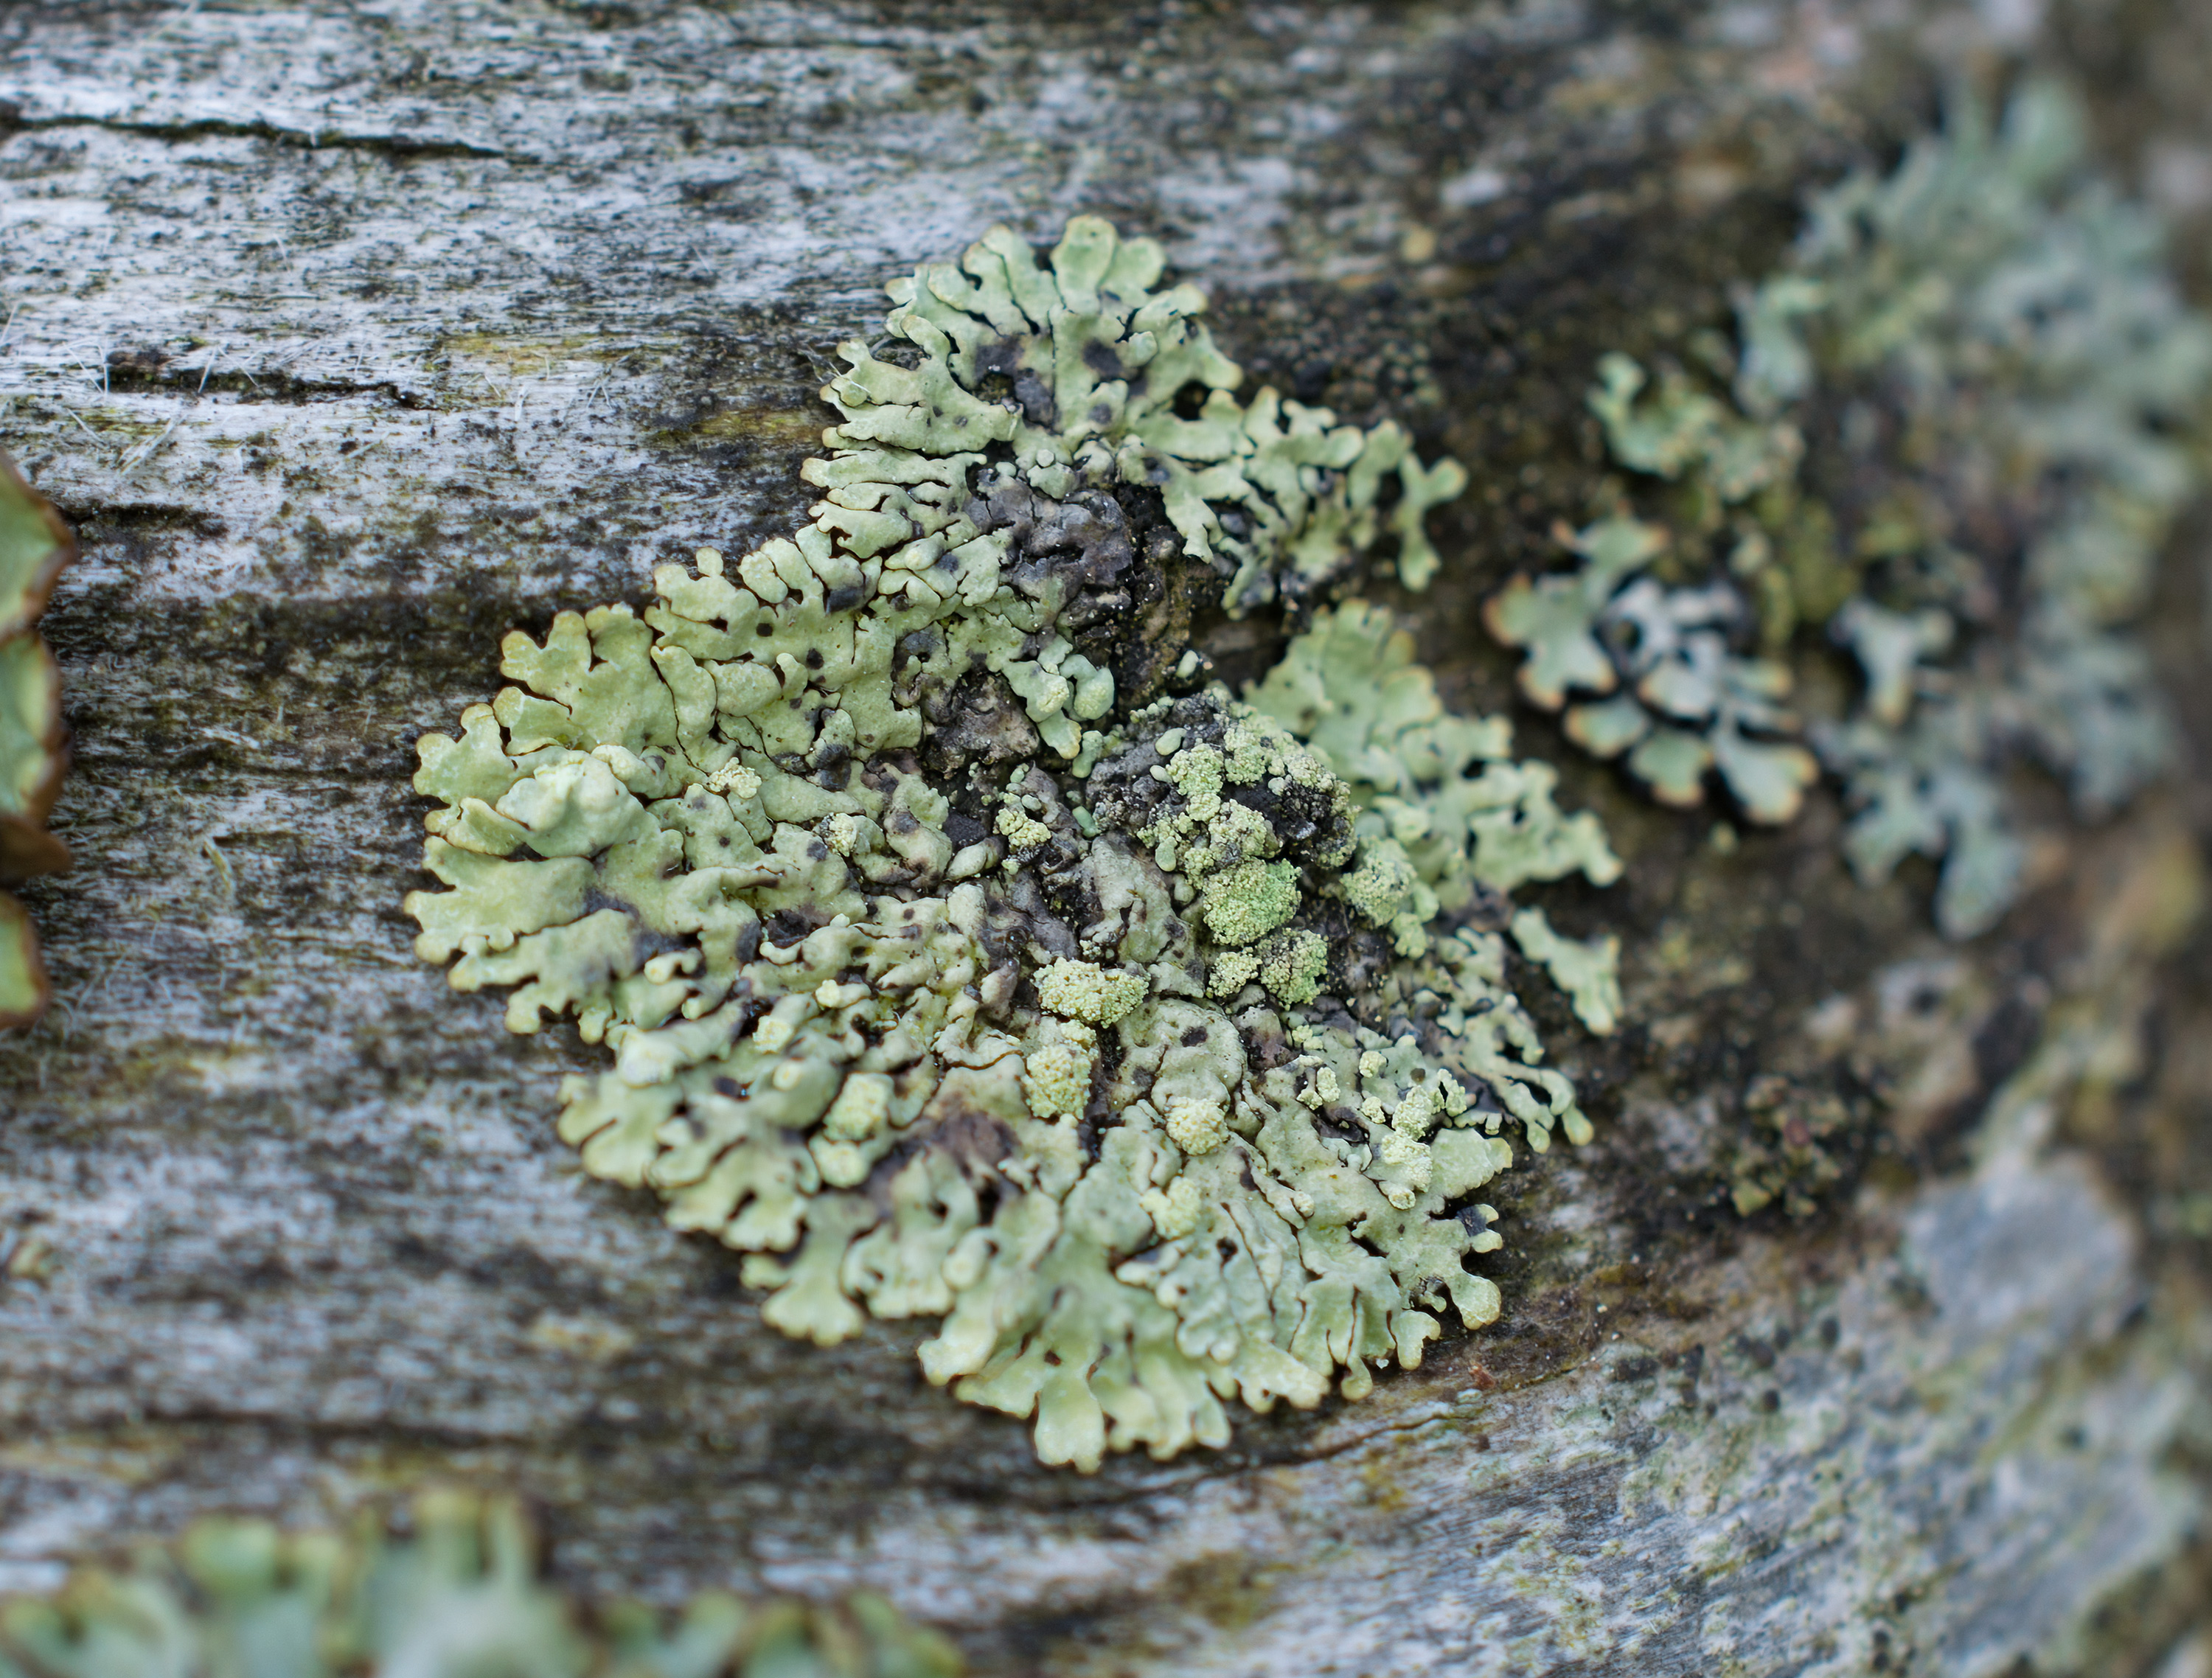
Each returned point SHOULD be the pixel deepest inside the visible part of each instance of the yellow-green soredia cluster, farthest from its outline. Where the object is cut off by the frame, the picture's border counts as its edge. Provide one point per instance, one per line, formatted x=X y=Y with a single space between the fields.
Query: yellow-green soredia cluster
x=962 y=956
x=34 y=546
x=1995 y=364
x=459 y=1597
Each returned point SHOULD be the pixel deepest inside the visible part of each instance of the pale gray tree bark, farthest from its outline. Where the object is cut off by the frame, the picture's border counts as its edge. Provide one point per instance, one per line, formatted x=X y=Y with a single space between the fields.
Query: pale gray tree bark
x=351 y=335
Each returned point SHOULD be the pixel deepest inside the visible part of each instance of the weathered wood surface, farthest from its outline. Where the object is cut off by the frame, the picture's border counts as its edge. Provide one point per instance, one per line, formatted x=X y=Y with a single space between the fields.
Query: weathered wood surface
x=351 y=335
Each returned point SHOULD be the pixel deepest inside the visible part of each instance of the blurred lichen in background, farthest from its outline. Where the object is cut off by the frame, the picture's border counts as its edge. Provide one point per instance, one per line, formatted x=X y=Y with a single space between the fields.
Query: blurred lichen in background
x=34 y=546
x=1954 y=432
x=458 y=1595
x=965 y=952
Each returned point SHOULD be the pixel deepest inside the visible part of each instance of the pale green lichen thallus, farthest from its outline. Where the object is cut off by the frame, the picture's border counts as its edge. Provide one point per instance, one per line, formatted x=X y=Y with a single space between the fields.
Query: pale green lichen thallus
x=460 y=1596
x=34 y=546
x=964 y=954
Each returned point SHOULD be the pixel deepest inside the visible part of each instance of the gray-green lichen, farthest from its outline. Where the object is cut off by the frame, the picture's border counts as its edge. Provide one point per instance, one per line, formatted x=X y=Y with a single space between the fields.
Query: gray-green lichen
x=34 y=546
x=2008 y=318
x=458 y=1596
x=1681 y=698
x=963 y=956
x=1989 y=350
x=1084 y=376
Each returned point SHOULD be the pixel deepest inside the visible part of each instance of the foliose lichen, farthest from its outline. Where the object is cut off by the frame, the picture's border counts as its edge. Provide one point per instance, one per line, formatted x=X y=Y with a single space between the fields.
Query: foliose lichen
x=964 y=954
x=458 y=1596
x=1075 y=377
x=2000 y=327
x=1683 y=699
x=34 y=546
x=1994 y=367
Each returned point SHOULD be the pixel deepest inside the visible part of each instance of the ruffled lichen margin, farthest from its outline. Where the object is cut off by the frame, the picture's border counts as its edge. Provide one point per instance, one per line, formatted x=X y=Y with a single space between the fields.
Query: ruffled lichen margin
x=457 y=1593
x=34 y=545
x=964 y=953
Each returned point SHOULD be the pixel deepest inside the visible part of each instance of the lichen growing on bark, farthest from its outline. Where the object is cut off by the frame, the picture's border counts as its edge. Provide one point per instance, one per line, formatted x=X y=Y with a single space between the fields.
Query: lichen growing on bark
x=458 y=1596
x=1992 y=362
x=1075 y=375
x=34 y=546
x=1686 y=703
x=1999 y=326
x=1158 y=1047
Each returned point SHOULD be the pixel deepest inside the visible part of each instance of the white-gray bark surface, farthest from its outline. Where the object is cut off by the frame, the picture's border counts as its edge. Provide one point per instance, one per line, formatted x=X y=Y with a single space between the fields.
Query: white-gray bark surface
x=350 y=335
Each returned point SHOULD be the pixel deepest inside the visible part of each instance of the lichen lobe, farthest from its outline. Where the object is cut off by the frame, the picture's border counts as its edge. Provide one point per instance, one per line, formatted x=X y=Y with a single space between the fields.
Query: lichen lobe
x=34 y=546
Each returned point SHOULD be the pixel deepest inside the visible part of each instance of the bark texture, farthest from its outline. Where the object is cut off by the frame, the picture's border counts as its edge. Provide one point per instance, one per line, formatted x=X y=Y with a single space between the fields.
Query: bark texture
x=351 y=336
